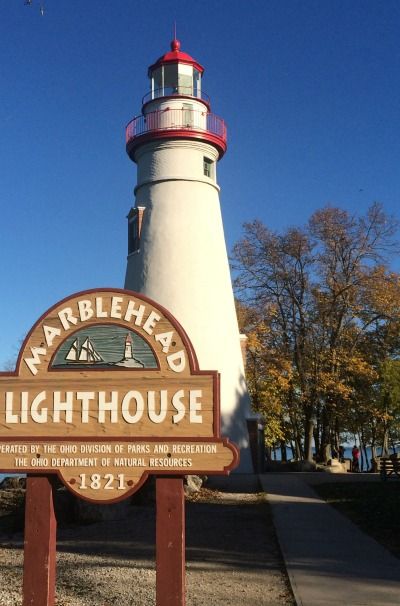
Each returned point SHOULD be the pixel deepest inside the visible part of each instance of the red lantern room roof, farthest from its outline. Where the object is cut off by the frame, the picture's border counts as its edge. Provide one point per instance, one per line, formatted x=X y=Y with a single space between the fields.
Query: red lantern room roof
x=175 y=55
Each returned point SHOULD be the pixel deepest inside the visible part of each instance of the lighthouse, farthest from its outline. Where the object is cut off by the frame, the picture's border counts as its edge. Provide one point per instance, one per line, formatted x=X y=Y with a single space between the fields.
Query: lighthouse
x=176 y=246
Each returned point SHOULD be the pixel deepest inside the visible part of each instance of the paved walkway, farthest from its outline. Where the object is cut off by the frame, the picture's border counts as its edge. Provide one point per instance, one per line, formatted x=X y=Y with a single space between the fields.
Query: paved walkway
x=328 y=559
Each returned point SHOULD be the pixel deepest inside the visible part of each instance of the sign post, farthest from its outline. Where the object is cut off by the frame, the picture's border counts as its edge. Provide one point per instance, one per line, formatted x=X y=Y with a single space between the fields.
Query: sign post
x=107 y=391
x=170 y=542
x=40 y=542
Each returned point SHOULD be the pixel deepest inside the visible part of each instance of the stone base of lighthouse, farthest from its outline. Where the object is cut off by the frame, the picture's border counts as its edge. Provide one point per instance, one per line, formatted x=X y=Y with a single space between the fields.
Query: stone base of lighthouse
x=180 y=261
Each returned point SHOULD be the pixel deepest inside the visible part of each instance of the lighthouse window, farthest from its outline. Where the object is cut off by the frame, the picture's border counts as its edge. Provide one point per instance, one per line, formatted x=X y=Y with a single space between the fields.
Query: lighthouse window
x=208 y=167
x=157 y=83
x=135 y=218
x=170 y=79
x=185 y=80
x=185 y=85
x=196 y=83
x=133 y=235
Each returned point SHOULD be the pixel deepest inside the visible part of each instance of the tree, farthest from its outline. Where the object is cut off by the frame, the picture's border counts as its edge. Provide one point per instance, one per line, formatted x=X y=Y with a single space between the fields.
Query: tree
x=317 y=294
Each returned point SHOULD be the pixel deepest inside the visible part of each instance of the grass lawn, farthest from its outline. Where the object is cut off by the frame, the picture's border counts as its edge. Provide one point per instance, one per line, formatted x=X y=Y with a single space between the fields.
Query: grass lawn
x=373 y=506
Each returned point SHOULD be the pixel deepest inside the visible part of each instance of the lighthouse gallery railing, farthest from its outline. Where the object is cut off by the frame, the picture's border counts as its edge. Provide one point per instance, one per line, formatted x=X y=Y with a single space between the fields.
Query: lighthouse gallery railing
x=176 y=119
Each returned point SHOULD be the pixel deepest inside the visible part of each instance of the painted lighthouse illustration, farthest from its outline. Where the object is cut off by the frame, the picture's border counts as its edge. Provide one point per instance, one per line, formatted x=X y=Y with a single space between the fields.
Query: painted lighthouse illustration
x=129 y=359
x=176 y=246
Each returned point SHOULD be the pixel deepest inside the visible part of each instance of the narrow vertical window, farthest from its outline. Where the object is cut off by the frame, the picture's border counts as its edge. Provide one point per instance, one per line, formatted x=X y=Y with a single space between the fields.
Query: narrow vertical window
x=135 y=219
x=208 y=167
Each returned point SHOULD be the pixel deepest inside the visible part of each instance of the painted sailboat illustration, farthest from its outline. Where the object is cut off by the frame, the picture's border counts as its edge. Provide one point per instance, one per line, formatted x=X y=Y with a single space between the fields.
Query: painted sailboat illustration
x=83 y=354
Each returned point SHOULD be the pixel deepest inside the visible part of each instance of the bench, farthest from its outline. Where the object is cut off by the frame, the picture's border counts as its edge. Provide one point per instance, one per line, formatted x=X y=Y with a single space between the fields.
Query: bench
x=390 y=468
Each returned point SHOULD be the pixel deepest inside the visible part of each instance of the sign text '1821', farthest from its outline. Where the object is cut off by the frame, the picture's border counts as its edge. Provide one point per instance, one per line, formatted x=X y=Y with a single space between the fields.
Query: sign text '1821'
x=108 y=481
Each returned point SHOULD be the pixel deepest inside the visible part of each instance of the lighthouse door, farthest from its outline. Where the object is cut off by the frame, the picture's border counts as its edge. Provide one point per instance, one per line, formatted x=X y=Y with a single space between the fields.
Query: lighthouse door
x=187 y=114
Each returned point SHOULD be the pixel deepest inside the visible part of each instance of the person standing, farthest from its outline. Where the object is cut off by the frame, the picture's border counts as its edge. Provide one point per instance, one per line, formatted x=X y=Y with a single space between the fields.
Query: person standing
x=355 y=453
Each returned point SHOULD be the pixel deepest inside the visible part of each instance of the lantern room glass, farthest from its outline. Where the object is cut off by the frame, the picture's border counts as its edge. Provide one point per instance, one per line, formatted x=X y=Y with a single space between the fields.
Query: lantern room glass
x=175 y=79
x=156 y=82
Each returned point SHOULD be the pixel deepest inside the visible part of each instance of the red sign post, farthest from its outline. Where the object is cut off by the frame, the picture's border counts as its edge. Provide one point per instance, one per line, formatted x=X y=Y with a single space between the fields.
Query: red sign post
x=107 y=391
x=40 y=542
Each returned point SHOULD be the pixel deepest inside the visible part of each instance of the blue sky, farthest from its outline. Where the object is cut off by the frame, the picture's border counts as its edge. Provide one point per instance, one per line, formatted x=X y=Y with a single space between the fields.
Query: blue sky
x=309 y=90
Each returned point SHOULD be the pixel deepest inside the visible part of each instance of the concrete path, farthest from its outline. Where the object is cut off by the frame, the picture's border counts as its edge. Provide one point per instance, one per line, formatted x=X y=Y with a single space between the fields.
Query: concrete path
x=328 y=559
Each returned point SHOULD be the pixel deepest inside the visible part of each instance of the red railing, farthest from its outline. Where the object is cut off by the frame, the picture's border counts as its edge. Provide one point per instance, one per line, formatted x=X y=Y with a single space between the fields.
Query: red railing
x=179 y=120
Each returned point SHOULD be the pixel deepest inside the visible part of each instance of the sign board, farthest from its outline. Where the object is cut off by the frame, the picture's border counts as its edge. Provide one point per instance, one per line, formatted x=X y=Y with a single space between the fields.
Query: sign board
x=107 y=390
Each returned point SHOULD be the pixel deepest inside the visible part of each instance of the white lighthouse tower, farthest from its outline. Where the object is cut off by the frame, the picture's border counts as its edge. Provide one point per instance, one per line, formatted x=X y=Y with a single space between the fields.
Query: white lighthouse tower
x=176 y=246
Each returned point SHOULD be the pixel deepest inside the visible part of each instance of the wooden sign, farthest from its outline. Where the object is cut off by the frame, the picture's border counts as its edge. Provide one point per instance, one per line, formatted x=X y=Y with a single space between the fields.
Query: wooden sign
x=107 y=390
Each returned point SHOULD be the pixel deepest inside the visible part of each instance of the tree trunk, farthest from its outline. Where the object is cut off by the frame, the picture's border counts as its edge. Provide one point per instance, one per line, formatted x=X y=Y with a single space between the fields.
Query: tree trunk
x=385 y=444
x=316 y=436
x=336 y=437
x=327 y=452
x=299 y=448
x=364 y=449
x=373 y=443
x=324 y=453
x=308 y=436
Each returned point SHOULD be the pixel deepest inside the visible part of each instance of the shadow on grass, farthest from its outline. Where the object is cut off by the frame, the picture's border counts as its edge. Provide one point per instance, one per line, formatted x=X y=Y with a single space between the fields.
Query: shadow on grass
x=374 y=507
